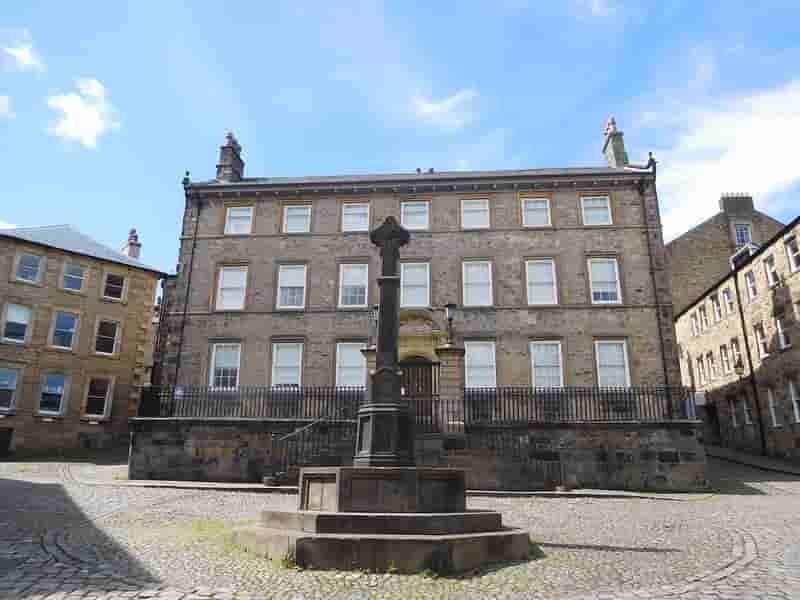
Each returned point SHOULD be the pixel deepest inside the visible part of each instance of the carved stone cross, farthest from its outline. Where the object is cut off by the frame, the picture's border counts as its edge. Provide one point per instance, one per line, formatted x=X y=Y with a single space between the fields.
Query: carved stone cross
x=390 y=237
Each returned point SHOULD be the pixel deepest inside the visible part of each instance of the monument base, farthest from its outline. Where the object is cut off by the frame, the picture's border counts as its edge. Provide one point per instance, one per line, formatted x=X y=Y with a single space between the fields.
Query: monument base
x=403 y=519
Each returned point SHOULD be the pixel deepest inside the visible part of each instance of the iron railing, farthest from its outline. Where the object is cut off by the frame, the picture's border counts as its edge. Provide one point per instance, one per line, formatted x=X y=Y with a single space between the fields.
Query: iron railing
x=524 y=404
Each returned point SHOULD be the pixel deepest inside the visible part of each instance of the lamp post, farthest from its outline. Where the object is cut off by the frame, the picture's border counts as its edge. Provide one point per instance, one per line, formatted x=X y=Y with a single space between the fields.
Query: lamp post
x=450 y=313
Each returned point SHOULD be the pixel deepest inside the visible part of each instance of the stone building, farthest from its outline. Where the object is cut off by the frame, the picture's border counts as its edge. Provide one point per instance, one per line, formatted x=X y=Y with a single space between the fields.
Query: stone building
x=75 y=330
x=739 y=348
x=702 y=254
x=558 y=276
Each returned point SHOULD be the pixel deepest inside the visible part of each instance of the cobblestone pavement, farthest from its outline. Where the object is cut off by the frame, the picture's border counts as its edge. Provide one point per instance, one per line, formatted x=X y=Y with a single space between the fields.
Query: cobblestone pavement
x=61 y=538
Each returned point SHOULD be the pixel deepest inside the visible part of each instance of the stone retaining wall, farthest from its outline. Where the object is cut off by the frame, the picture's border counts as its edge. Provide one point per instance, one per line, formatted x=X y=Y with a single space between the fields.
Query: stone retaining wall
x=633 y=456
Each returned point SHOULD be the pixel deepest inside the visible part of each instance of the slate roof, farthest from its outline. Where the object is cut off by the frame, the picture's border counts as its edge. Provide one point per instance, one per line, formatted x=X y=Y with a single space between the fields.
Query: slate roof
x=66 y=237
x=424 y=176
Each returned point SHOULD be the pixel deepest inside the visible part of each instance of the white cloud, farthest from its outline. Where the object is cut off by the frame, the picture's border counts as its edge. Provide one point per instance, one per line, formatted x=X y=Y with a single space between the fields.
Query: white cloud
x=84 y=116
x=23 y=56
x=597 y=8
x=452 y=113
x=736 y=143
x=6 y=225
x=5 y=108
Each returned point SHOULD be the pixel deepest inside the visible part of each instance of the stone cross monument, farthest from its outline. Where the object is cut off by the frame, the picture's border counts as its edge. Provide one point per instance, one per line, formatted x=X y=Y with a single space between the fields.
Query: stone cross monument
x=385 y=435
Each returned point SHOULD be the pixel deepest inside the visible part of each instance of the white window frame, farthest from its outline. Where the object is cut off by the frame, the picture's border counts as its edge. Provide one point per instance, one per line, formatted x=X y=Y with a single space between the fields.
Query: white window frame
x=732 y=409
x=464 y=283
x=794 y=398
x=701 y=370
x=525 y=200
x=289 y=207
x=28 y=326
x=761 y=340
x=552 y=262
x=108 y=400
x=39 y=271
x=229 y=230
x=17 y=382
x=703 y=318
x=485 y=206
x=409 y=203
x=344 y=267
x=608 y=206
x=615 y=261
x=752 y=287
x=358 y=346
x=365 y=226
x=749 y=228
x=736 y=351
x=695 y=321
x=64 y=275
x=279 y=286
x=556 y=343
x=403 y=267
x=597 y=344
x=467 y=377
x=64 y=394
x=124 y=292
x=772 y=408
x=716 y=308
x=783 y=339
x=117 y=336
x=727 y=298
x=771 y=271
x=213 y=362
x=725 y=359
x=275 y=366
x=218 y=305
x=748 y=418
x=52 y=334
x=793 y=256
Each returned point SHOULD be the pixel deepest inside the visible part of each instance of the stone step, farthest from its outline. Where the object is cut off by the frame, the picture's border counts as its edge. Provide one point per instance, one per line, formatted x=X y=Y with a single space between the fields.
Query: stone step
x=385 y=523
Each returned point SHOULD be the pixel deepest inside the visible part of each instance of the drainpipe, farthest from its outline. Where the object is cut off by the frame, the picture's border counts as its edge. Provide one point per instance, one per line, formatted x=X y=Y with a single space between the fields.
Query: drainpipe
x=188 y=275
x=752 y=374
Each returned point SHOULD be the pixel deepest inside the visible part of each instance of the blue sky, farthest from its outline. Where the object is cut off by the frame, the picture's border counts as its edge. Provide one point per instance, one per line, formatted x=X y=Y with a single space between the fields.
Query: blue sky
x=103 y=106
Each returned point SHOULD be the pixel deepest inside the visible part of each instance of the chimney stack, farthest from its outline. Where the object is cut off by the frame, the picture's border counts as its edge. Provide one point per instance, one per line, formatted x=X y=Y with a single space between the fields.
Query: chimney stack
x=231 y=165
x=614 y=146
x=133 y=247
x=740 y=205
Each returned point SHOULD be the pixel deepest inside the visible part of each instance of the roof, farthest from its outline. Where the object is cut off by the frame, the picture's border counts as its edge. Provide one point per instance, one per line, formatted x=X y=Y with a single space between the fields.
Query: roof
x=423 y=177
x=69 y=239
x=763 y=248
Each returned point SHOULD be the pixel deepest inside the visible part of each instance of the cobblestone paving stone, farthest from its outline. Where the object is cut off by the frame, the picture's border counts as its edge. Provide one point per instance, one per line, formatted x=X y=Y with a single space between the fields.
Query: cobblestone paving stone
x=61 y=538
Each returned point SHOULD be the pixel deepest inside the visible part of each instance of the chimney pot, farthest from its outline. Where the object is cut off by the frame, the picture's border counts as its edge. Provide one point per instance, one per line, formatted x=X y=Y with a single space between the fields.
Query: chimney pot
x=133 y=247
x=614 y=145
x=739 y=204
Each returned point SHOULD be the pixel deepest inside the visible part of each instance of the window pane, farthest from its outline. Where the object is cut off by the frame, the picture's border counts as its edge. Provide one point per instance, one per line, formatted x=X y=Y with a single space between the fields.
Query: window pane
x=414 y=215
x=114 y=286
x=536 y=212
x=604 y=280
x=97 y=395
x=546 y=364
x=298 y=219
x=291 y=285
x=354 y=285
x=52 y=393
x=414 y=284
x=351 y=365
x=106 y=336
x=477 y=283
x=8 y=387
x=479 y=364
x=225 y=368
x=475 y=214
x=541 y=282
x=239 y=220
x=64 y=329
x=611 y=364
x=18 y=319
x=28 y=267
x=73 y=278
x=355 y=217
x=743 y=235
x=596 y=211
x=286 y=364
x=232 y=288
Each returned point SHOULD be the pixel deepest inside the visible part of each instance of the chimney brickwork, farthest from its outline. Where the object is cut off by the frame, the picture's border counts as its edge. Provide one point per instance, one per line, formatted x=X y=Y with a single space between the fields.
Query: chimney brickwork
x=132 y=248
x=614 y=146
x=231 y=165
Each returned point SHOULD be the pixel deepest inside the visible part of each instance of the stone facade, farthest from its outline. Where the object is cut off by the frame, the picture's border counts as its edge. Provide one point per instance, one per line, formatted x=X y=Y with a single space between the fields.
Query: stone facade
x=762 y=396
x=651 y=456
x=702 y=254
x=642 y=318
x=23 y=422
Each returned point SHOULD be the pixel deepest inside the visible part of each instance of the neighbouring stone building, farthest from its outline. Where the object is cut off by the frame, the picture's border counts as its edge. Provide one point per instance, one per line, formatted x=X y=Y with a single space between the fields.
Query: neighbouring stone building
x=74 y=336
x=557 y=277
x=702 y=254
x=739 y=348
